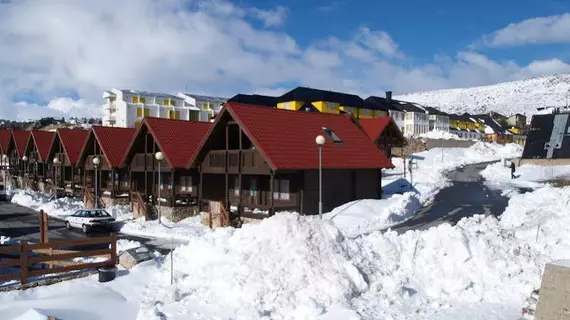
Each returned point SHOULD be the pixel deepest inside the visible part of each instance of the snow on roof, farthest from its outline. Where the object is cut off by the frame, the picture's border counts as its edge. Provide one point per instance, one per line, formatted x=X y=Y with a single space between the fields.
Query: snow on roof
x=152 y=94
x=206 y=98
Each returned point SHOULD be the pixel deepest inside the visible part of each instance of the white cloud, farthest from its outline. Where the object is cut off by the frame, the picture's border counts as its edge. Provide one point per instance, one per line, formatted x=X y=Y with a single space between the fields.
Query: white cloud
x=273 y=17
x=87 y=46
x=552 y=29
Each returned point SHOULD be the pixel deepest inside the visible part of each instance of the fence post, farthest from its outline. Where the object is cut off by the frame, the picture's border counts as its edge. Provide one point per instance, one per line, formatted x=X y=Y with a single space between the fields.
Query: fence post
x=23 y=262
x=114 y=248
x=43 y=227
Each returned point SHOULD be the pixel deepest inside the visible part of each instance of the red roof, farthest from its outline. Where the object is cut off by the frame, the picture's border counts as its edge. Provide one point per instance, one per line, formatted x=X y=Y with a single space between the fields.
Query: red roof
x=177 y=139
x=43 y=141
x=72 y=141
x=287 y=138
x=114 y=143
x=21 y=141
x=5 y=136
x=376 y=126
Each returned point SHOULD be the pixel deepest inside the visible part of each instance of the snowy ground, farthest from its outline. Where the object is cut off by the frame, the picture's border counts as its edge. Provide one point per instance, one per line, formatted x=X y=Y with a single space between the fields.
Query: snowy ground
x=428 y=178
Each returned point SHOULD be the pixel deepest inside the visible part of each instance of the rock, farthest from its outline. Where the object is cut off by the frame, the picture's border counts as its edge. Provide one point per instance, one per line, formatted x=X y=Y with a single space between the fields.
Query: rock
x=131 y=257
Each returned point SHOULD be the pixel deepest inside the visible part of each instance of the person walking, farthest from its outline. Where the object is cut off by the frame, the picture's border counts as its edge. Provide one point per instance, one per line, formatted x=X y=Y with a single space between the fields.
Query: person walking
x=513 y=169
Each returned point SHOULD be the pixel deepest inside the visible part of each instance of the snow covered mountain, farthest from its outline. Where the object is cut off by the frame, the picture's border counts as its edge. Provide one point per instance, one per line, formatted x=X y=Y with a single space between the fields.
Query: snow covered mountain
x=522 y=96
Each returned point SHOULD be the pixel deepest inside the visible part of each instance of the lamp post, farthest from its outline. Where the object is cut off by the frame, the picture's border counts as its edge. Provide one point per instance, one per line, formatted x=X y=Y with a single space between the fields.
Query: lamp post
x=159 y=156
x=24 y=160
x=56 y=164
x=320 y=140
x=96 y=162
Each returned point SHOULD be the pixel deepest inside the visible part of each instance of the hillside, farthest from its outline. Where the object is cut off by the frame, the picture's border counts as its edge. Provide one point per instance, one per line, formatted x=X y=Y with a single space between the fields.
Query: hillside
x=522 y=96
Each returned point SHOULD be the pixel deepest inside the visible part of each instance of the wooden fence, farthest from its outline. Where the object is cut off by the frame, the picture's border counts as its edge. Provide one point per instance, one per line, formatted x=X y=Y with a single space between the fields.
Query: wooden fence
x=31 y=259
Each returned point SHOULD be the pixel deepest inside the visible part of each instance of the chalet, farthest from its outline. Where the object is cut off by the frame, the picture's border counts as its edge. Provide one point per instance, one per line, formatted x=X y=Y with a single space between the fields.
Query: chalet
x=5 y=142
x=177 y=181
x=109 y=146
x=548 y=142
x=309 y=99
x=37 y=149
x=17 y=155
x=259 y=159
x=384 y=133
x=65 y=150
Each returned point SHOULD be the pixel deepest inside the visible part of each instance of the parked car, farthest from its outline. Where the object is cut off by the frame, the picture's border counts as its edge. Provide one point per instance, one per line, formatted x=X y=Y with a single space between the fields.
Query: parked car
x=90 y=219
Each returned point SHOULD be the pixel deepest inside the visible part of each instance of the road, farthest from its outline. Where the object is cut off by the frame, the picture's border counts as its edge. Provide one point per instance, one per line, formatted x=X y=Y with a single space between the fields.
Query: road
x=466 y=197
x=22 y=223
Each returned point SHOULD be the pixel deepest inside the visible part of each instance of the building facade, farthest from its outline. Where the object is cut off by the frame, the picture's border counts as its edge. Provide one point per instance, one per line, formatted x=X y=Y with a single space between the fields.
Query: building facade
x=127 y=108
x=200 y=107
x=438 y=121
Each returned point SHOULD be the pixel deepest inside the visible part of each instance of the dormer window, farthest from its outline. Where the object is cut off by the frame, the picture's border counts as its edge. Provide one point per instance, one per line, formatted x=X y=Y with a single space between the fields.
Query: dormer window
x=332 y=135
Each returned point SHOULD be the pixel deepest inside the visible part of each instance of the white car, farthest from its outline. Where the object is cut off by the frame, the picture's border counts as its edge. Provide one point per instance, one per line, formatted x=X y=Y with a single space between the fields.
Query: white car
x=89 y=219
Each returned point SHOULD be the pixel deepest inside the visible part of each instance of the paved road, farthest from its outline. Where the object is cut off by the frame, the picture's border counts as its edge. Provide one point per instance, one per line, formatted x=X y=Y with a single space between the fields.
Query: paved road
x=468 y=196
x=22 y=223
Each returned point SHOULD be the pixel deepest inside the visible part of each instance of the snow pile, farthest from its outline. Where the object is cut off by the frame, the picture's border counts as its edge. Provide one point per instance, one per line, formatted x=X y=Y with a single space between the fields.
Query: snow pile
x=4 y=239
x=183 y=230
x=428 y=178
x=364 y=216
x=123 y=245
x=285 y=267
x=528 y=176
x=61 y=207
x=437 y=134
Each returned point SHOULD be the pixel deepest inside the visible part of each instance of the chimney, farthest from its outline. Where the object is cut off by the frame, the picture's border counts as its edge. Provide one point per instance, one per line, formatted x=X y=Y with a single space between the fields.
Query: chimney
x=389 y=96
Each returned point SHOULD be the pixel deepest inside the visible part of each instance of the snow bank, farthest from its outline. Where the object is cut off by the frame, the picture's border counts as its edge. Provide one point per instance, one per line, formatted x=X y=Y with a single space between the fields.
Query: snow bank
x=428 y=178
x=528 y=176
x=183 y=230
x=436 y=134
x=285 y=267
x=61 y=207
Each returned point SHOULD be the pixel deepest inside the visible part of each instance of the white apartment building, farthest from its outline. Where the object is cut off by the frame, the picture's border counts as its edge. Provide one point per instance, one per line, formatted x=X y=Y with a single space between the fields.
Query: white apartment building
x=202 y=108
x=127 y=108
x=416 y=120
x=438 y=121
x=398 y=117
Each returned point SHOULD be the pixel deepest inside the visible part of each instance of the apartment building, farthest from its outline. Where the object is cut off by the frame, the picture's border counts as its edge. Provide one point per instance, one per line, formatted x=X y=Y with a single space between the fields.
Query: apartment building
x=126 y=108
x=389 y=107
x=416 y=120
x=438 y=120
x=201 y=107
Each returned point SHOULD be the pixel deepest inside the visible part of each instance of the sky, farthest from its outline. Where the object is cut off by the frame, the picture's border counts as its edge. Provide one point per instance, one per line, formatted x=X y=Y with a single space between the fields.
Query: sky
x=57 y=56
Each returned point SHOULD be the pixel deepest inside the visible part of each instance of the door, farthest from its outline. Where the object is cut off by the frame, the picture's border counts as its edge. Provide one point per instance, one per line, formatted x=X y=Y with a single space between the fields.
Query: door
x=254 y=190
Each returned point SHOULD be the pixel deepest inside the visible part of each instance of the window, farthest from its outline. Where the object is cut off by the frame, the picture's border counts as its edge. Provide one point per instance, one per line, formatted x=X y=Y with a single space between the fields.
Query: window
x=332 y=135
x=281 y=189
x=177 y=115
x=286 y=105
x=365 y=112
x=194 y=115
x=139 y=112
x=137 y=124
x=143 y=100
x=186 y=183
x=253 y=187
x=331 y=106
x=135 y=99
x=166 y=101
x=146 y=112
x=236 y=186
x=173 y=102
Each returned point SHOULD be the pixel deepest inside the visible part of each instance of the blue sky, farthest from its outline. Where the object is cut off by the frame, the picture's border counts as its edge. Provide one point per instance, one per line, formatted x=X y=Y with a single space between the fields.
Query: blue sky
x=57 y=57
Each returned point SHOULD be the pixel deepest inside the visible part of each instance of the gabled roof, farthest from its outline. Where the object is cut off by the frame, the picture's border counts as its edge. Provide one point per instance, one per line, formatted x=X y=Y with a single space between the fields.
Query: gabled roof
x=114 y=143
x=72 y=141
x=382 y=103
x=491 y=123
x=43 y=141
x=376 y=126
x=177 y=139
x=410 y=107
x=21 y=141
x=255 y=99
x=311 y=95
x=286 y=139
x=5 y=137
x=432 y=110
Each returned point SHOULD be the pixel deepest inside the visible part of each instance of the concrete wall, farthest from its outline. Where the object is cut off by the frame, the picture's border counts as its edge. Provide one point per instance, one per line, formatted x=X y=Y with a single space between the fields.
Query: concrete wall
x=554 y=298
x=545 y=162
x=438 y=143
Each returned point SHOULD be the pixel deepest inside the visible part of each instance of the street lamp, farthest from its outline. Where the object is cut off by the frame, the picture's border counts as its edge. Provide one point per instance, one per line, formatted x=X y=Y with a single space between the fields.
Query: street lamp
x=96 y=162
x=24 y=159
x=159 y=156
x=57 y=173
x=320 y=140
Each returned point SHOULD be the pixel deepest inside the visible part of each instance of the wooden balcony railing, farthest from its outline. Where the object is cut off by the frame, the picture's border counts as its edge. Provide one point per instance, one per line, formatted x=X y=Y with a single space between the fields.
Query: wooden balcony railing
x=215 y=160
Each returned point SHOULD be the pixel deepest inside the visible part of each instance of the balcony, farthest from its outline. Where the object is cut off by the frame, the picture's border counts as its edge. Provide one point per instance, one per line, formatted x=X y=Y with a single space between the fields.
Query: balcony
x=111 y=107
x=251 y=162
x=103 y=165
x=109 y=118
x=142 y=161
